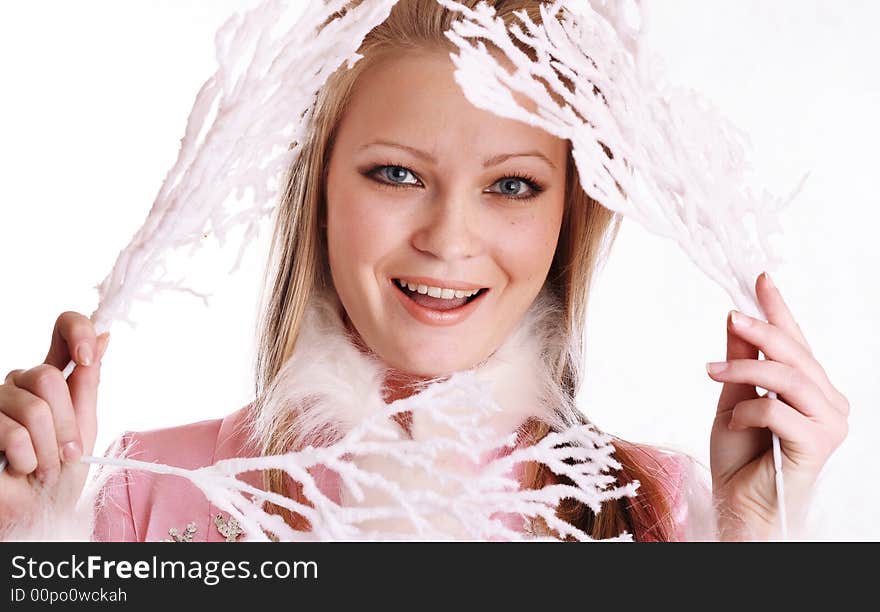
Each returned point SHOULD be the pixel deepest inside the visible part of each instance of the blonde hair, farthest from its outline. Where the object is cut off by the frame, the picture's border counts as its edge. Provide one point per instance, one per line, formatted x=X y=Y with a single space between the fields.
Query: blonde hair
x=299 y=264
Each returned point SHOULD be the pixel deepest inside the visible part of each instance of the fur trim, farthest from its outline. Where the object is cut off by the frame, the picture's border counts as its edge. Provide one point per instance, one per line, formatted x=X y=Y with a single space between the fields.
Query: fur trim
x=331 y=385
x=63 y=513
x=56 y=517
x=695 y=511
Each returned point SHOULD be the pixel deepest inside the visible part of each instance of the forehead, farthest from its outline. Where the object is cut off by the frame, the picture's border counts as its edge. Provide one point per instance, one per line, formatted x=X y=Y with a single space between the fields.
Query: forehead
x=414 y=97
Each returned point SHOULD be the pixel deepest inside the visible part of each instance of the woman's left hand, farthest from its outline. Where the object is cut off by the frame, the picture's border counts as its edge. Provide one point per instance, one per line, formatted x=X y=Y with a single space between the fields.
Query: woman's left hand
x=809 y=416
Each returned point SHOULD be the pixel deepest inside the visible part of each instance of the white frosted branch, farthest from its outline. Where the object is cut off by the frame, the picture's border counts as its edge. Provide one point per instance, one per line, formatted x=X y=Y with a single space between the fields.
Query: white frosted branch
x=236 y=144
x=451 y=485
x=677 y=167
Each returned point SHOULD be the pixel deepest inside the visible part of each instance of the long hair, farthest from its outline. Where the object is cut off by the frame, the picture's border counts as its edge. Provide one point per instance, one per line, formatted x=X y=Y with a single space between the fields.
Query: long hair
x=299 y=264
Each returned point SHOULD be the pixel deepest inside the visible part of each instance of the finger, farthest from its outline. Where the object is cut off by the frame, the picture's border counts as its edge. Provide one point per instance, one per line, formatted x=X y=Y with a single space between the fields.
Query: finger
x=47 y=382
x=15 y=442
x=779 y=346
x=11 y=375
x=35 y=415
x=737 y=348
x=796 y=389
x=72 y=339
x=779 y=314
x=83 y=384
x=777 y=311
x=793 y=428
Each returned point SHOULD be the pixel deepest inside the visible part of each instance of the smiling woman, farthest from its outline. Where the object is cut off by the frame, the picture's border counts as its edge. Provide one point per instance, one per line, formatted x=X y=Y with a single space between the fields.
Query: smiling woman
x=418 y=185
x=436 y=213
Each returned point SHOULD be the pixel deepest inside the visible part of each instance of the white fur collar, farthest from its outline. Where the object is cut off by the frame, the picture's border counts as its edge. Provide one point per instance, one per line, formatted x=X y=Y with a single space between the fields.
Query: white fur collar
x=332 y=386
x=341 y=385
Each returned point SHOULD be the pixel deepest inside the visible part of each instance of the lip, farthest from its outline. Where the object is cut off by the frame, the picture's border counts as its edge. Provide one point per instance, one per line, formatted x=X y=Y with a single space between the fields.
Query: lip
x=437 y=318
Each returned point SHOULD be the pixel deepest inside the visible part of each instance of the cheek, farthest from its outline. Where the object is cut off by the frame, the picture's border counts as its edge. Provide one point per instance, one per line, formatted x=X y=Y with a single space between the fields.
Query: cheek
x=361 y=227
x=527 y=246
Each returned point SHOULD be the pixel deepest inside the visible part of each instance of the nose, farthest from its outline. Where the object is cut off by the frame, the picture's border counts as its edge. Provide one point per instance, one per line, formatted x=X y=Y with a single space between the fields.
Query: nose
x=450 y=229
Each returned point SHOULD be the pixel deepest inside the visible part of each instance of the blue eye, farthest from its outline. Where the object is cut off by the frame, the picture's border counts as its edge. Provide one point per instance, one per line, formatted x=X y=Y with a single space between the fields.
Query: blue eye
x=395 y=174
x=510 y=186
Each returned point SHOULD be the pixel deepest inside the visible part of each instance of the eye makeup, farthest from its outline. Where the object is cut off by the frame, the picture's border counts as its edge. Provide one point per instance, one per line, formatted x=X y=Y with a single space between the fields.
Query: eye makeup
x=376 y=172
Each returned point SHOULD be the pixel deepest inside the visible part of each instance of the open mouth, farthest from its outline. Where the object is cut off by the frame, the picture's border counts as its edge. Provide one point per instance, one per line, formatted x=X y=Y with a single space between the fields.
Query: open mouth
x=433 y=302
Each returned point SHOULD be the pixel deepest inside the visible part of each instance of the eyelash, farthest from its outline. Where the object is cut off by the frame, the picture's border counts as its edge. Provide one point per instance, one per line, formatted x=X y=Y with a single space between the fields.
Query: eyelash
x=528 y=180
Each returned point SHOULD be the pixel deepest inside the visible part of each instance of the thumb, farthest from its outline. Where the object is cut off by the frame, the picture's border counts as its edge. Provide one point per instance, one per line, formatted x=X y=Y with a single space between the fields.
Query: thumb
x=83 y=385
x=737 y=348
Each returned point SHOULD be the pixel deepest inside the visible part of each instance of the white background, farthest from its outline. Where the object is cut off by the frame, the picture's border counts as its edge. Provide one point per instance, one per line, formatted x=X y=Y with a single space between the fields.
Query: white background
x=95 y=98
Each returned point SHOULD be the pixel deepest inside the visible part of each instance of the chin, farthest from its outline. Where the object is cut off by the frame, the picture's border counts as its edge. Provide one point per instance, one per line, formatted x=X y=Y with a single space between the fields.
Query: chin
x=428 y=364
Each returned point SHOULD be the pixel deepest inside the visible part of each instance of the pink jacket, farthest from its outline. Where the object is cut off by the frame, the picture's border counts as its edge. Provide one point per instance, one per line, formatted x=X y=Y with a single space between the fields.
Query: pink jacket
x=138 y=506
x=144 y=507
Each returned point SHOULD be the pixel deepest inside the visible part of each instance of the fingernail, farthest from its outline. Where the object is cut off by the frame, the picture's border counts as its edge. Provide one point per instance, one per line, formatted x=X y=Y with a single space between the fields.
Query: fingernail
x=716 y=367
x=739 y=319
x=769 y=280
x=733 y=426
x=71 y=452
x=85 y=354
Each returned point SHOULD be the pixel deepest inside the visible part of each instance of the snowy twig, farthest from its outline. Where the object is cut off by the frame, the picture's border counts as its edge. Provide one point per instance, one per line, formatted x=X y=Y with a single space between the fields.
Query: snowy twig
x=458 y=485
x=237 y=138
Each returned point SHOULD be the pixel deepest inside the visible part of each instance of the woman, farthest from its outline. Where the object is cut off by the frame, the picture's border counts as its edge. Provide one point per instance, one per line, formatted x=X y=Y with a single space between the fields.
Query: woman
x=425 y=235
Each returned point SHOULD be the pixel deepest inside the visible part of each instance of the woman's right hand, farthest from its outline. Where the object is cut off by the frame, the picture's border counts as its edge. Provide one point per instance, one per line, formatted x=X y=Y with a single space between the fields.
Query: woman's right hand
x=47 y=423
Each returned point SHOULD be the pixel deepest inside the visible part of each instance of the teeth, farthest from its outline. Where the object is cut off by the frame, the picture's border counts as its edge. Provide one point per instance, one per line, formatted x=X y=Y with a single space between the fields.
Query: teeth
x=438 y=292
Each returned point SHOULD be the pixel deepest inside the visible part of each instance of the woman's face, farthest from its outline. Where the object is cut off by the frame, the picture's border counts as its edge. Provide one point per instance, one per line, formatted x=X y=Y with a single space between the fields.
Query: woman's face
x=427 y=189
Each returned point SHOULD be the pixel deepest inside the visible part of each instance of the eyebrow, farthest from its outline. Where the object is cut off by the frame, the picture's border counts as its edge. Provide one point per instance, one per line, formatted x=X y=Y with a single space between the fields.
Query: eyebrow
x=492 y=161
